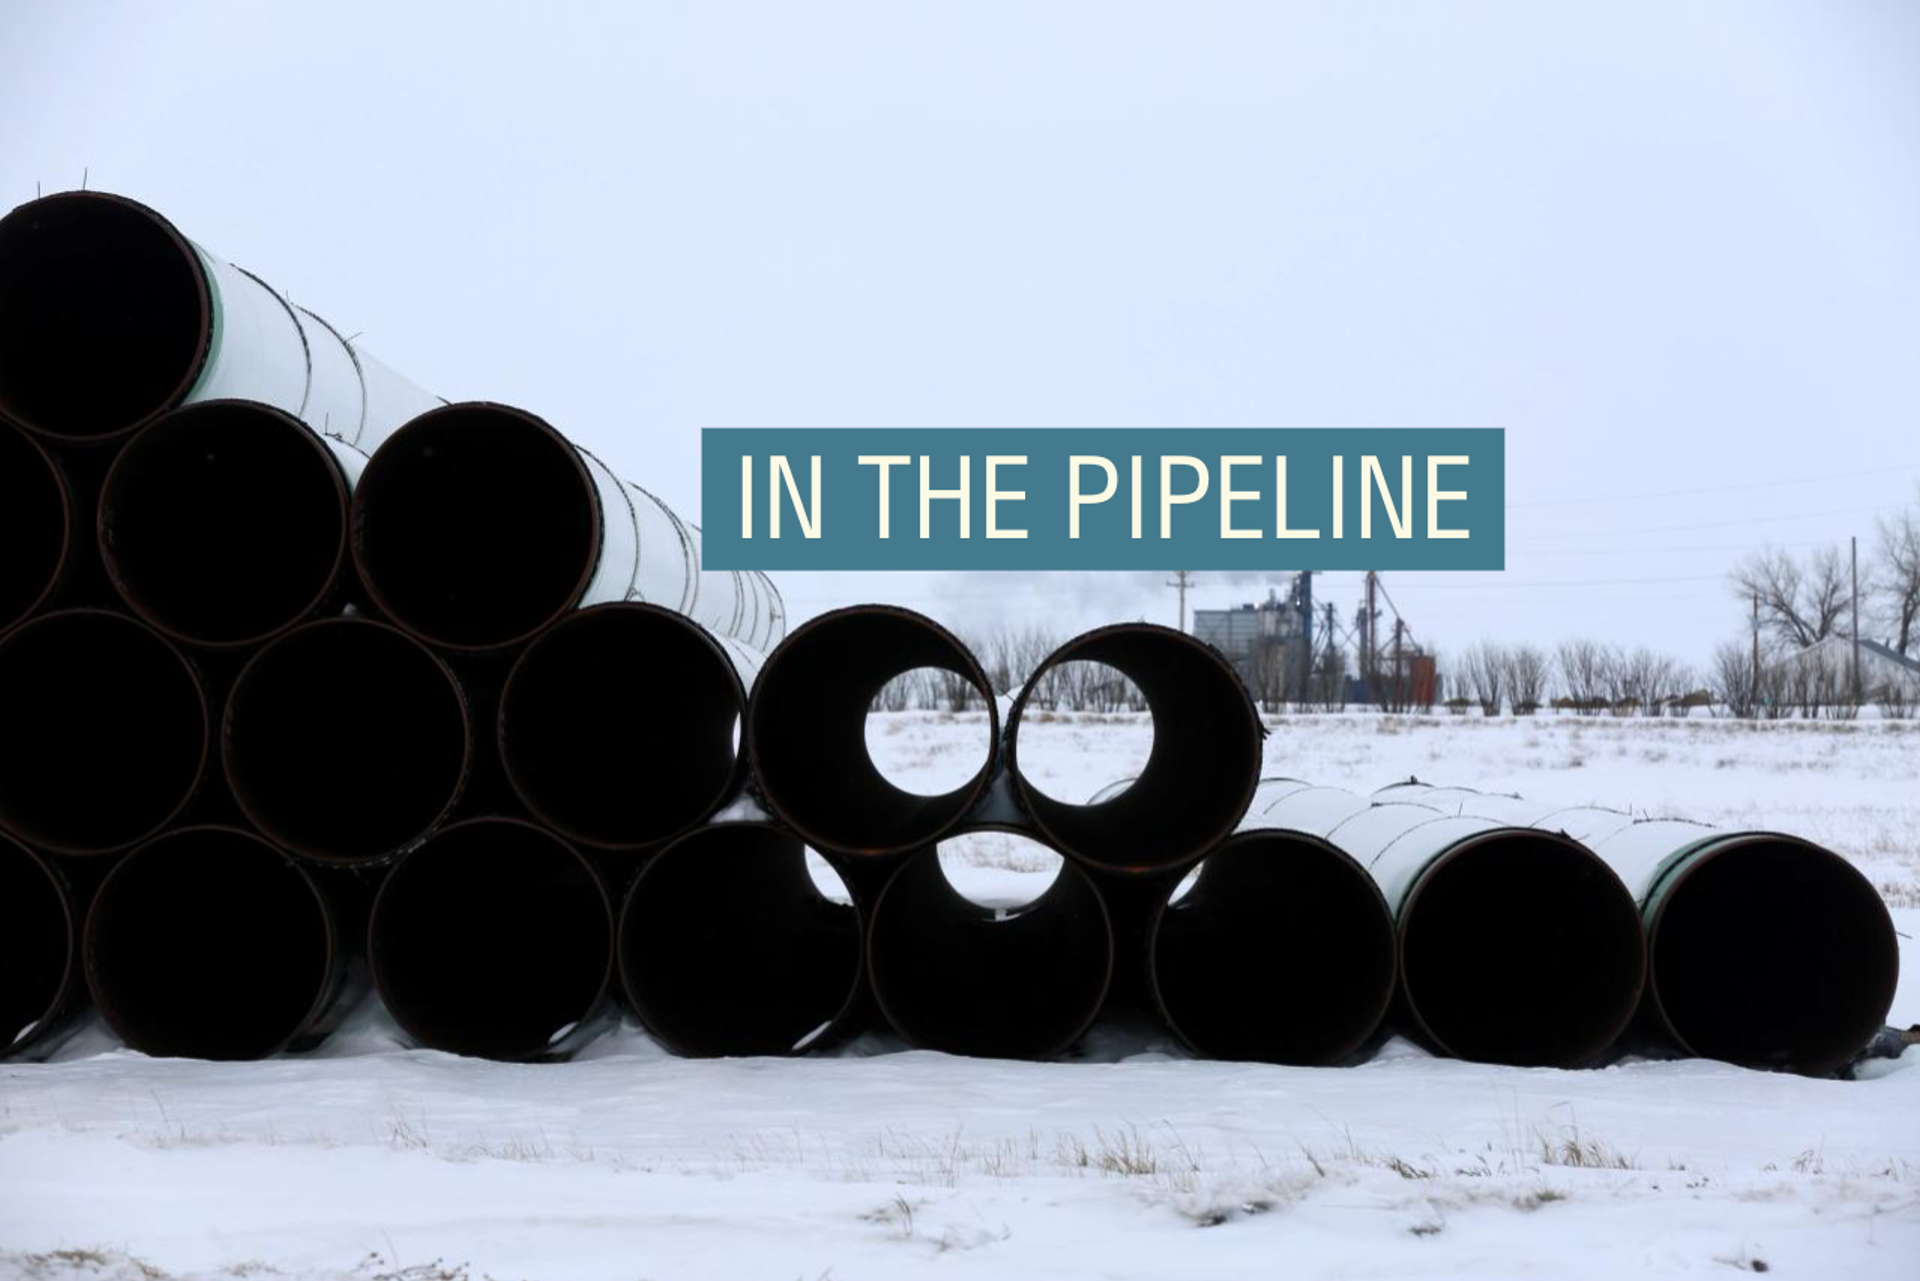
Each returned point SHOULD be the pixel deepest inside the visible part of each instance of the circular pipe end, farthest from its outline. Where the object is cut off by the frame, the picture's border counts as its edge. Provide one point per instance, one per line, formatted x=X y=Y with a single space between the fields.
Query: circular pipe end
x=98 y=705
x=1282 y=952
x=36 y=525
x=37 y=938
x=617 y=726
x=493 y=939
x=806 y=730
x=950 y=974
x=208 y=943
x=1774 y=952
x=476 y=525
x=1200 y=777
x=728 y=948
x=105 y=316
x=346 y=740
x=224 y=523
x=1521 y=947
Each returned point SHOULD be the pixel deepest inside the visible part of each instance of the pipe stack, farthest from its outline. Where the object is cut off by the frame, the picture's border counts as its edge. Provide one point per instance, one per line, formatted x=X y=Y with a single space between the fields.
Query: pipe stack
x=312 y=682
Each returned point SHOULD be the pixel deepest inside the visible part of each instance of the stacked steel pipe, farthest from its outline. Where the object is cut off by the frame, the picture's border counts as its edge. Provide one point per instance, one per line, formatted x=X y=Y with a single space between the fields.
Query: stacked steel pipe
x=311 y=682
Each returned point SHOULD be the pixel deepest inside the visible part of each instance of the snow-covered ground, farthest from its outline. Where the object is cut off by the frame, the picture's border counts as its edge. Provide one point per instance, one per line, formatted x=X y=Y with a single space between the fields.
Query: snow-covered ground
x=368 y=1160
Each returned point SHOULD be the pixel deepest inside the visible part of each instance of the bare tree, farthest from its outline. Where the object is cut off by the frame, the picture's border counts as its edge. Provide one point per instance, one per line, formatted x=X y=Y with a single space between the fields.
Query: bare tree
x=1801 y=601
x=1582 y=666
x=1895 y=578
x=1528 y=676
x=1484 y=671
x=1734 y=683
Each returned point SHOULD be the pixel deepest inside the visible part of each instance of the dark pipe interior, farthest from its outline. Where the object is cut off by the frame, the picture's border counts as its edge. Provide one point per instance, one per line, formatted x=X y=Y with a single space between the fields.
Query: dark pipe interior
x=224 y=522
x=475 y=525
x=346 y=740
x=1773 y=952
x=617 y=725
x=103 y=732
x=952 y=975
x=36 y=946
x=807 y=730
x=1282 y=952
x=34 y=526
x=209 y=943
x=727 y=947
x=104 y=315
x=1201 y=774
x=493 y=939
x=1522 y=948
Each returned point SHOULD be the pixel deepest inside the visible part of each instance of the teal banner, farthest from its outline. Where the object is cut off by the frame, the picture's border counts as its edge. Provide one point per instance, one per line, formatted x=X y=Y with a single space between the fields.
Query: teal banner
x=1199 y=498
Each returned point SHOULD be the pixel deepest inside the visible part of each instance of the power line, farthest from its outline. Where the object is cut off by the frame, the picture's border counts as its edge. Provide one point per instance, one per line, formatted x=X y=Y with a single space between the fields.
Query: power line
x=1718 y=524
x=1719 y=489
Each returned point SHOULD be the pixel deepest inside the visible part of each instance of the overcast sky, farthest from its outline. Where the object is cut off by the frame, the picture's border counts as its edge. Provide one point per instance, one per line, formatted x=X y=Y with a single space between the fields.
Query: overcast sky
x=1667 y=247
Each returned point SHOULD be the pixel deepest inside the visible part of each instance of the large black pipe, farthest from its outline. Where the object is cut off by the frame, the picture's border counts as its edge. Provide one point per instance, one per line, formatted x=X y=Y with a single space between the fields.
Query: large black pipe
x=1200 y=776
x=495 y=939
x=476 y=525
x=1771 y=951
x=38 y=977
x=103 y=732
x=208 y=943
x=617 y=726
x=225 y=522
x=1023 y=983
x=1283 y=951
x=727 y=947
x=106 y=319
x=35 y=526
x=346 y=740
x=806 y=731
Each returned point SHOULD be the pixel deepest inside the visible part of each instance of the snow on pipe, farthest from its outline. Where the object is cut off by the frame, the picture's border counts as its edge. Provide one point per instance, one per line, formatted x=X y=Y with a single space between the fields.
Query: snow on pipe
x=1202 y=771
x=225 y=522
x=806 y=731
x=494 y=938
x=617 y=725
x=476 y=525
x=35 y=526
x=109 y=317
x=1517 y=945
x=209 y=943
x=1281 y=949
x=346 y=740
x=38 y=977
x=97 y=705
x=1763 y=949
x=1021 y=983
x=726 y=946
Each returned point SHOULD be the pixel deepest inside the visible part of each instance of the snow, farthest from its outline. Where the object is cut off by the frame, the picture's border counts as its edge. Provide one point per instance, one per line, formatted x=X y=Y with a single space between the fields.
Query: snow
x=366 y=1159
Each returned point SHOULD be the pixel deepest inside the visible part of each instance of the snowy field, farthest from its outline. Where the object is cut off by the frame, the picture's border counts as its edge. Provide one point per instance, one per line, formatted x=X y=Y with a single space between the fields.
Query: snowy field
x=367 y=1160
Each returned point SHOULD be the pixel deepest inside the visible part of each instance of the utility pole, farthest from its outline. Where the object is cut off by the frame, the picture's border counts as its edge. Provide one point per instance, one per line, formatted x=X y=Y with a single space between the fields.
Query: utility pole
x=1856 y=620
x=1182 y=579
x=1369 y=658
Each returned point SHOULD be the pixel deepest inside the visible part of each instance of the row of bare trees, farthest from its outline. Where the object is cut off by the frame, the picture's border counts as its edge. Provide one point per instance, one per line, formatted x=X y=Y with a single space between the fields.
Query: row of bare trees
x=1581 y=675
x=1805 y=599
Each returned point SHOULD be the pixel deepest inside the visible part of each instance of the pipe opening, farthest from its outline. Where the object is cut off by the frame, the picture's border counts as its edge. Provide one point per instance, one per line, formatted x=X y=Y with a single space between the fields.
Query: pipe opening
x=617 y=726
x=36 y=946
x=1774 y=952
x=1198 y=779
x=224 y=523
x=492 y=939
x=911 y=751
x=728 y=948
x=807 y=730
x=97 y=706
x=1022 y=983
x=346 y=740
x=1059 y=748
x=476 y=525
x=209 y=944
x=999 y=869
x=104 y=315
x=1522 y=948
x=34 y=526
x=1282 y=951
